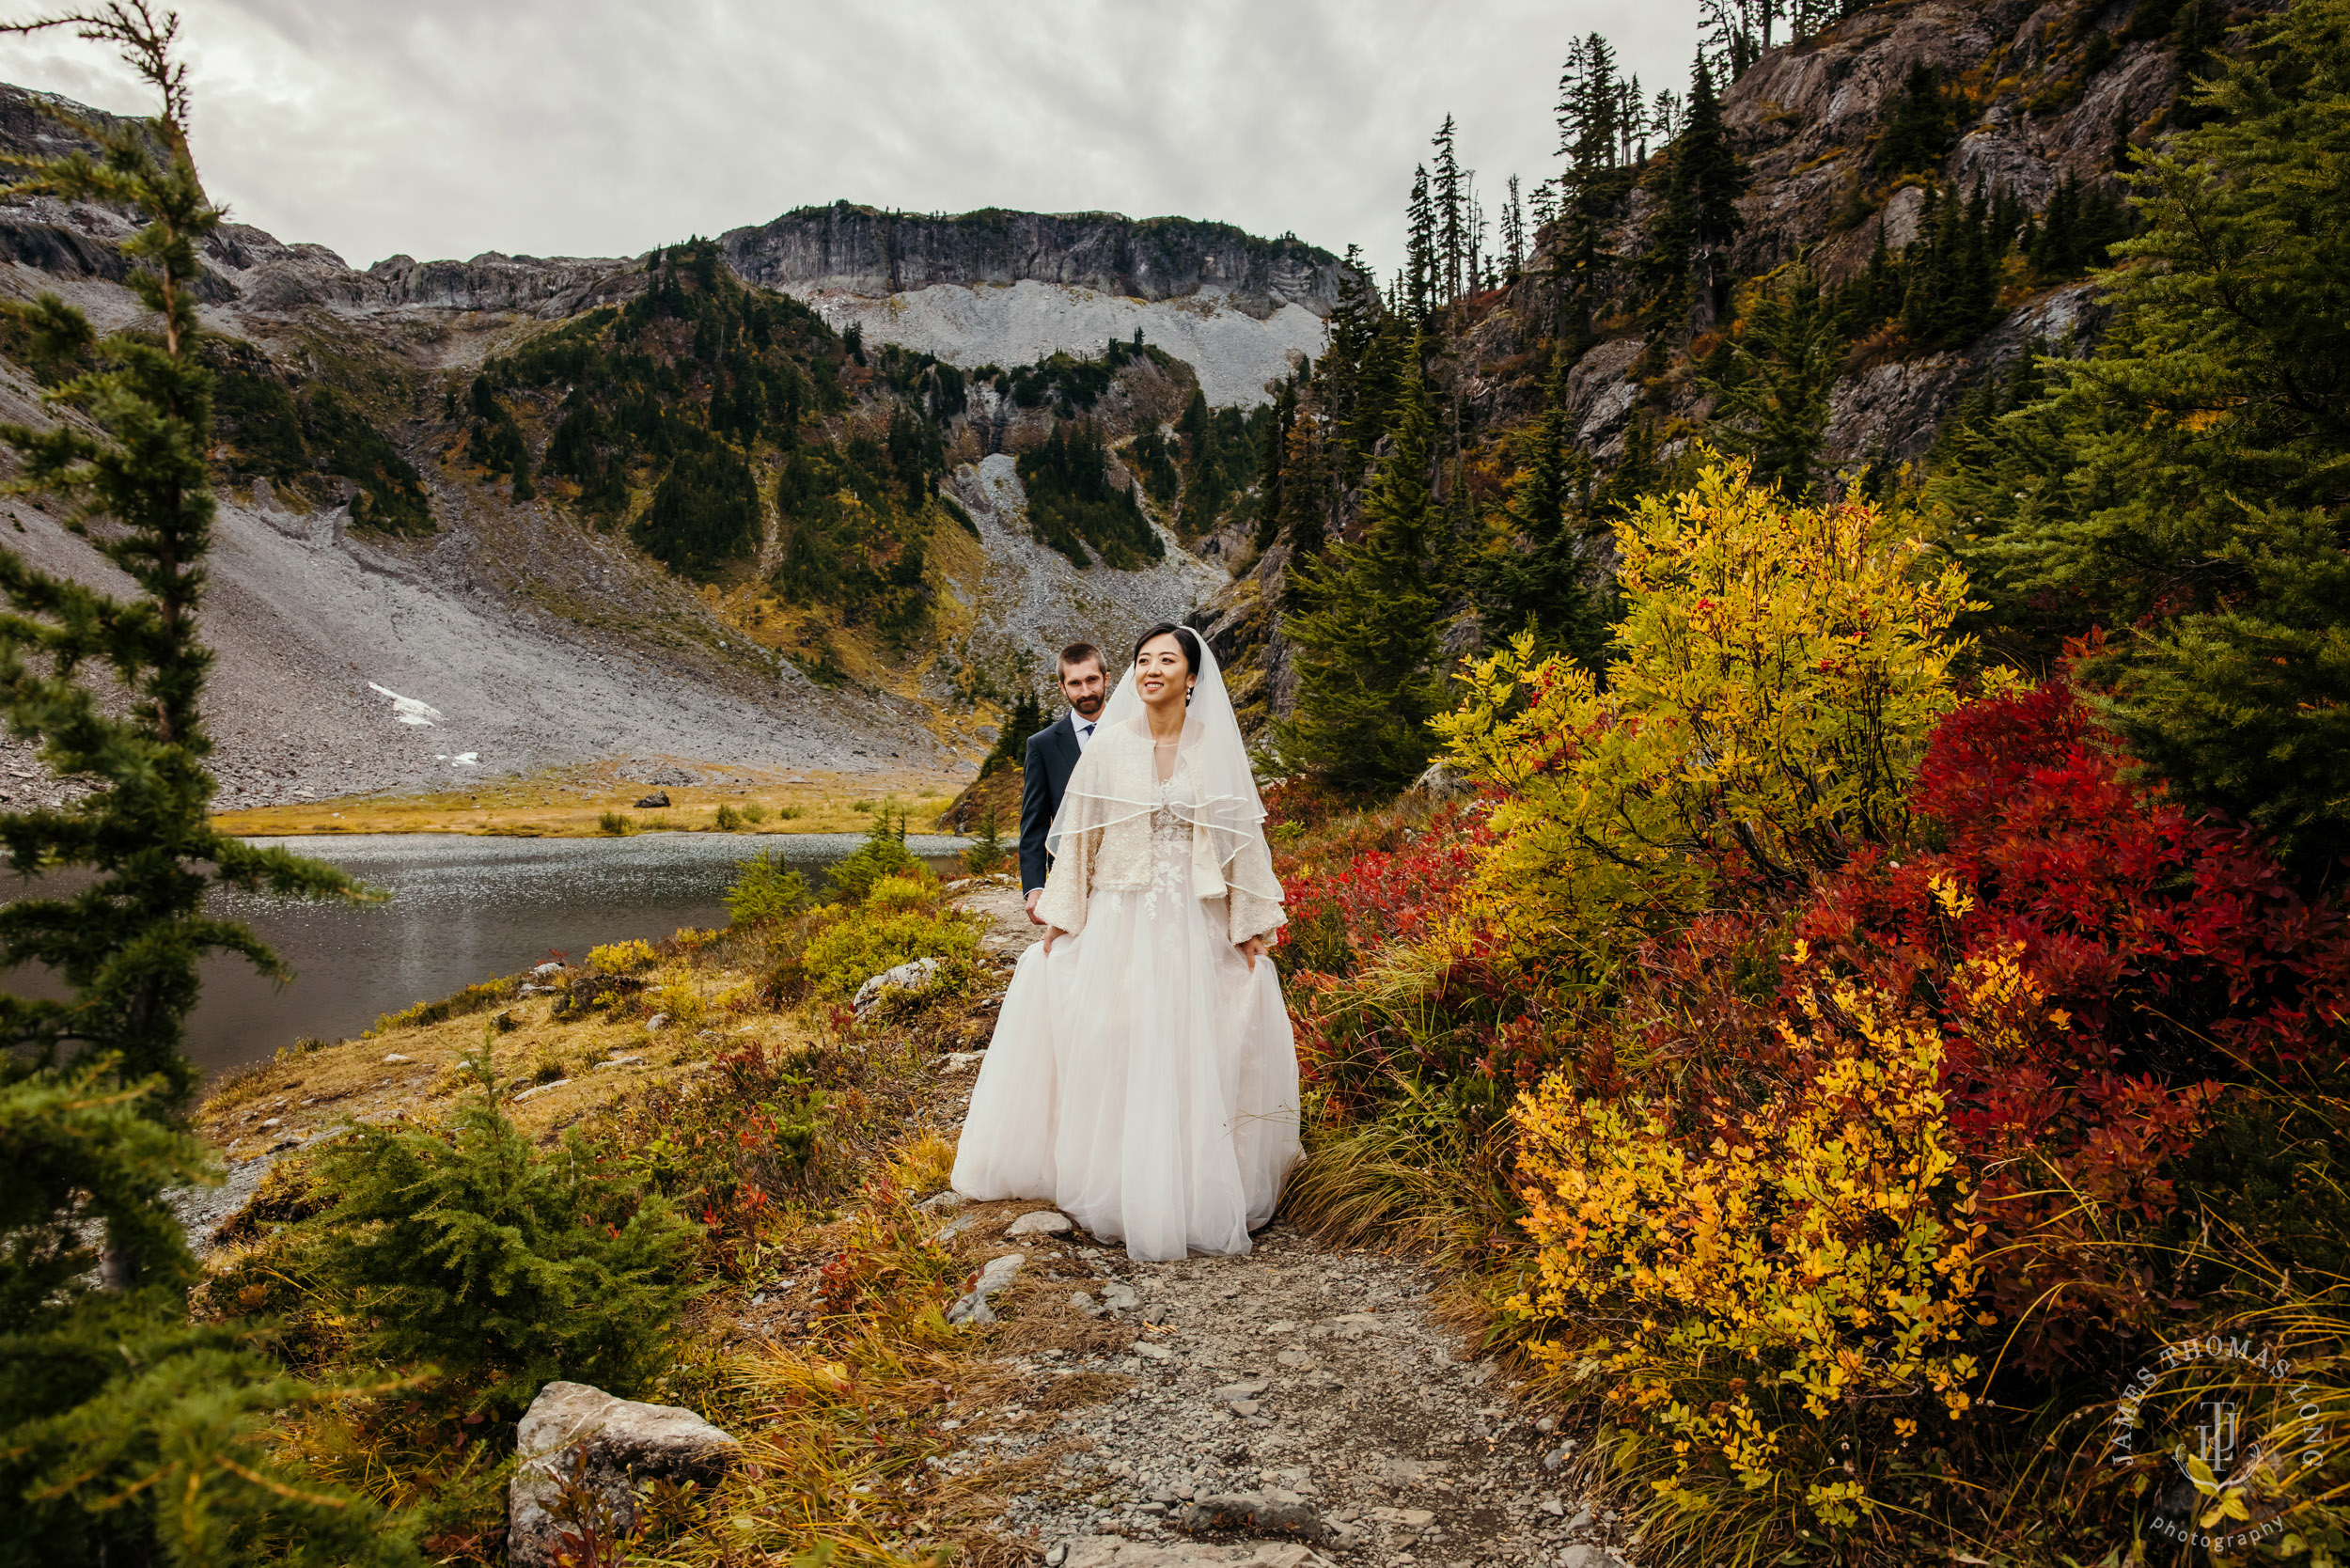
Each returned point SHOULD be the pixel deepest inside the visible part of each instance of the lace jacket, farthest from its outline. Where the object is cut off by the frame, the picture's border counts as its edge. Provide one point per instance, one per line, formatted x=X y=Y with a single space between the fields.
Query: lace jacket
x=1117 y=853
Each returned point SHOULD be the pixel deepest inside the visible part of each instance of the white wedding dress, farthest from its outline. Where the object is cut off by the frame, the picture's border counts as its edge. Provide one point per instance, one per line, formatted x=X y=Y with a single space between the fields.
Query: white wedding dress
x=1143 y=1078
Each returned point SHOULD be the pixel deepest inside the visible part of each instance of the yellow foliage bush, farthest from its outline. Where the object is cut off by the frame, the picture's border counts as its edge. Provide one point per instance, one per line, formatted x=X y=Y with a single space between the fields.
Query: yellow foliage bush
x=1778 y=1281
x=681 y=1000
x=1781 y=666
x=902 y=892
x=865 y=941
x=621 y=958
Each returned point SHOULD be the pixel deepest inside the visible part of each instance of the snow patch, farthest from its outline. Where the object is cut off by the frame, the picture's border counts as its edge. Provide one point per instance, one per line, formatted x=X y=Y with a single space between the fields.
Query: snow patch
x=407 y=709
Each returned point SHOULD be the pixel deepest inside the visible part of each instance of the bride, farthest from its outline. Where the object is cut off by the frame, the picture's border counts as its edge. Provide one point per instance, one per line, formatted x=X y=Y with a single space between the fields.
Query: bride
x=1143 y=1077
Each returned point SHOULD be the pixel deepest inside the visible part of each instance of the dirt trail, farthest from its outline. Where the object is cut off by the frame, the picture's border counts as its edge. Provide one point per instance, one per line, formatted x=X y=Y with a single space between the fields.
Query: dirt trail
x=1303 y=1402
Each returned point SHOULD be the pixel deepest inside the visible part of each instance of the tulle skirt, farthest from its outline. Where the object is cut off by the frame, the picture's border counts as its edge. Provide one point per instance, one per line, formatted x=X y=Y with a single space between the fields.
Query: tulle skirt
x=1143 y=1079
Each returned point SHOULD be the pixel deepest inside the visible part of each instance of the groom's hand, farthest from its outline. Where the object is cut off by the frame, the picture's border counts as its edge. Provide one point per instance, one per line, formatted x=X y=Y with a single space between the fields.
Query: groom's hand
x=1034 y=894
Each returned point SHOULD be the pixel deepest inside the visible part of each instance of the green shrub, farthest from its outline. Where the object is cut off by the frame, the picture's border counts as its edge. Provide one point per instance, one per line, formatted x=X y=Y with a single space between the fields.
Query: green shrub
x=764 y=888
x=901 y=891
x=855 y=948
x=883 y=853
x=754 y=814
x=505 y=1265
x=615 y=824
x=727 y=820
x=986 y=852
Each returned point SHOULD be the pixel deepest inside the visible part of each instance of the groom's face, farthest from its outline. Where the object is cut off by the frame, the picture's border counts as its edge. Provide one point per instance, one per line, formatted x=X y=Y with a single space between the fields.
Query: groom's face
x=1083 y=685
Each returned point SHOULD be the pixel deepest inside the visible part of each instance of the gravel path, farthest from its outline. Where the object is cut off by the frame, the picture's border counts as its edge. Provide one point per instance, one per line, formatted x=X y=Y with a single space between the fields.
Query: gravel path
x=1222 y=1409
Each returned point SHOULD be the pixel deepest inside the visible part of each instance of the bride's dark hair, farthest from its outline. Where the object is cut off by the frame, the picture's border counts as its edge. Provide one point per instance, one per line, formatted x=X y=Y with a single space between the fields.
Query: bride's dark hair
x=1185 y=639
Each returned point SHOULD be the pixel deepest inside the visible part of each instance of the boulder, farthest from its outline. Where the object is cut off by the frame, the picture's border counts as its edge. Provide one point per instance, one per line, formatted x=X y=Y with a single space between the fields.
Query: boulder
x=657 y=801
x=584 y=1450
x=1043 y=1222
x=1438 y=782
x=913 y=976
x=972 y=1306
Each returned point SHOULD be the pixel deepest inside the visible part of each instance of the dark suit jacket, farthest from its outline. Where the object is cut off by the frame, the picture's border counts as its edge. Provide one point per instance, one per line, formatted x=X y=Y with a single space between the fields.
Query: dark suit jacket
x=1052 y=755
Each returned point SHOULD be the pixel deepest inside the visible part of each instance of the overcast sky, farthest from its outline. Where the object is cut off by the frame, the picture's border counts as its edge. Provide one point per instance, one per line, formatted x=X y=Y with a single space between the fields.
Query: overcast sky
x=444 y=127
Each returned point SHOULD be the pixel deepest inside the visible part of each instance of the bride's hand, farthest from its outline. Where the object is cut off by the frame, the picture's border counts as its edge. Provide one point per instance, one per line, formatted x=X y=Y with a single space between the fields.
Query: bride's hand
x=1050 y=931
x=1252 y=949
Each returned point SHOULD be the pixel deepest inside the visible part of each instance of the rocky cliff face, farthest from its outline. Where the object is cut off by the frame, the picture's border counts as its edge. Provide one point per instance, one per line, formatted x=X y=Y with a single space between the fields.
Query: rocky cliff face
x=863 y=250
x=1805 y=116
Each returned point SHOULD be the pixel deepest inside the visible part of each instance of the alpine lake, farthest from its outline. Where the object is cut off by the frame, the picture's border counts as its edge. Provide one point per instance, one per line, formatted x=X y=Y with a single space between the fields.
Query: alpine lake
x=463 y=908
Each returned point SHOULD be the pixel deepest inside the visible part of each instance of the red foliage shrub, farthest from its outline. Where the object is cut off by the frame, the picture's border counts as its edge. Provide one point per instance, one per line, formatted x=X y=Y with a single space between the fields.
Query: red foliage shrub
x=2170 y=956
x=1380 y=880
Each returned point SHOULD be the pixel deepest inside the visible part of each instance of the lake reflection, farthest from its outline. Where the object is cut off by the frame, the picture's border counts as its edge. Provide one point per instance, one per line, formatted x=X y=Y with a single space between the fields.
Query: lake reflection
x=464 y=909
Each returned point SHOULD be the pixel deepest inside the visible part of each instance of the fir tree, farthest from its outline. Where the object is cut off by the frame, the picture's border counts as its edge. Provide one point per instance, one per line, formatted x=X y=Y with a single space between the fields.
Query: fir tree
x=584 y=1274
x=126 y=1434
x=2189 y=479
x=1304 y=508
x=1700 y=218
x=1450 y=214
x=1366 y=625
x=1534 y=573
x=1773 y=406
x=1421 y=262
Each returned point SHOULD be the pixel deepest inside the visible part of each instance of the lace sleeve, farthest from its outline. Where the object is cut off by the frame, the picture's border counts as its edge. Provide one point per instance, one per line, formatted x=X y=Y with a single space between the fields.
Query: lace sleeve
x=1068 y=890
x=1253 y=912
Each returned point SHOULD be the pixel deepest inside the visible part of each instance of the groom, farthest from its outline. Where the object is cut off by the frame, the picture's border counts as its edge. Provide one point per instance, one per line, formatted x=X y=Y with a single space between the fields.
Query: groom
x=1052 y=756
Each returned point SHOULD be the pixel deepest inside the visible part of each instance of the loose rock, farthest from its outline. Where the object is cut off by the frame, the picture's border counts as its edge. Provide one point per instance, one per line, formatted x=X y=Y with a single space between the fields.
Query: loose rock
x=1043 y=1222
x=912 y=976
x=972 y=1306
x=576 y=1432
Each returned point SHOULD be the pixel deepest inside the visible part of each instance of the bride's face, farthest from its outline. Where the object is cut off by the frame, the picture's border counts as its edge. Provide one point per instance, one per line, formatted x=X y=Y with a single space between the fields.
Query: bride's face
x=1161 y=674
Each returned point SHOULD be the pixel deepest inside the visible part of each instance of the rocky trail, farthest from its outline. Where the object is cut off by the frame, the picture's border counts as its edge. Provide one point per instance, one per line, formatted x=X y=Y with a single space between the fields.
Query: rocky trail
x=1302 y=1402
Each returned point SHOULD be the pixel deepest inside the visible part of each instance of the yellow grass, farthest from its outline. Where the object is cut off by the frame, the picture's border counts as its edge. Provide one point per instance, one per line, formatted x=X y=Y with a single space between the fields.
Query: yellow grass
x=570 y=804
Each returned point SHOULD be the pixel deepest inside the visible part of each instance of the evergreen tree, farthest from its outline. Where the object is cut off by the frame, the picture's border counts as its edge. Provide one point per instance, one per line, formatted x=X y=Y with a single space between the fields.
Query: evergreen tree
x=1534 y=573
x=1700 y=218
x=1305 y=509
x=1421 y=264
x=126 y=1434
x=1592 y=186
x=1773 y=405
x=1923 y=122
x=2190 y=483
x=1542 y=208
x=1451 y=217
x=1269 y=475
x=588 y=1270
x=1366 y=626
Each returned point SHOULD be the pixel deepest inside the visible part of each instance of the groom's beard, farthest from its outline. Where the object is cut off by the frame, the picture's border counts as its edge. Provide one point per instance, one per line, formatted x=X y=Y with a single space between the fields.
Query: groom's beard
x=1088 y=707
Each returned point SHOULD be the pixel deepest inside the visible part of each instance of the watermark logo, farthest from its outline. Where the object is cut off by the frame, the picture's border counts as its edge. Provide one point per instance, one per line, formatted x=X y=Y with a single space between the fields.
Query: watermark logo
x=2229 y=1428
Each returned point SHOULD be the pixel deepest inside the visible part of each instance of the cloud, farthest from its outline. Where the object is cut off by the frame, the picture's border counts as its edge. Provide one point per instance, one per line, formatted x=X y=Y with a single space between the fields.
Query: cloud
x=589 y=127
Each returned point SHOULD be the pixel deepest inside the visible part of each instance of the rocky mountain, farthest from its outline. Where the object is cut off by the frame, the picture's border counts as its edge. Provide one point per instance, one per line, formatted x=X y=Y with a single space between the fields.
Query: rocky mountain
x=1007 y=288
x=1869 y=154
x=386 y=555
